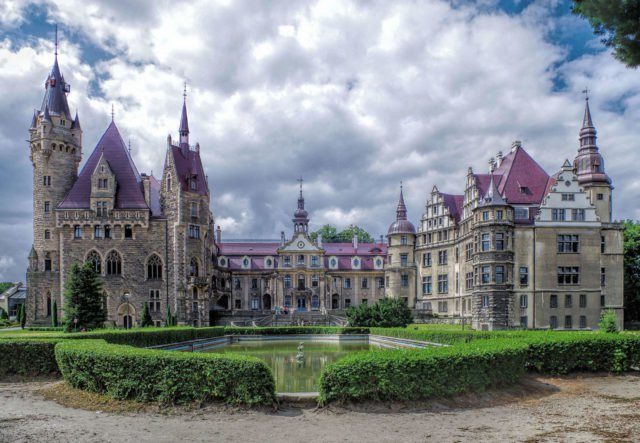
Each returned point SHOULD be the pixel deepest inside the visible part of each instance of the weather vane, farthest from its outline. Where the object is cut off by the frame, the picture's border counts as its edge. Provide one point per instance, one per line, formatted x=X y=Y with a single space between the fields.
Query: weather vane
x=586 y=92
x=56 y=51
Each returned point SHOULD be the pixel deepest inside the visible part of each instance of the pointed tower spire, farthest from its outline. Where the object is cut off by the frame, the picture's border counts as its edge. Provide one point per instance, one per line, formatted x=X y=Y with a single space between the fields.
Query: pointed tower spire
x=401 y=210
x=492 y=197
x=588 y=131
x=184 y=121
x=589 y=164
x=300 y=216
x=56 y=89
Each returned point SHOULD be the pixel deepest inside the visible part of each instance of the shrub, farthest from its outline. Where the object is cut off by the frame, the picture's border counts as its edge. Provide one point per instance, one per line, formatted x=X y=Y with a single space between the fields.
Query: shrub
x=608 y=322
x=28 y=357
x=3 y=314
x=83 y=299
x=146 y=320
x=388 y=312
x=54 y=314
x=125 y=372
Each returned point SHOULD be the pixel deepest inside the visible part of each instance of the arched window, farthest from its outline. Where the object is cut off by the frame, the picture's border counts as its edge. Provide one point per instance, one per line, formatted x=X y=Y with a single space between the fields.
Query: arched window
x=96 y=261
x=48 y=304
x=154 y=267
x=245 y=262
x=193 y=267
x=114 y=263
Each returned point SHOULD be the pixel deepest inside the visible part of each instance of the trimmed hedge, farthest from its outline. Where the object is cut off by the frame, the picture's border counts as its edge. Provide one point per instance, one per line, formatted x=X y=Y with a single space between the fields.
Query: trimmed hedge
x=125 y=372
x=419 y=374
x=28 y=357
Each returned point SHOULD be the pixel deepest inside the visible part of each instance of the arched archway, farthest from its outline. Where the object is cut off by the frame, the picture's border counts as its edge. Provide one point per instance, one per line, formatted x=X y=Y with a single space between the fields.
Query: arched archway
x=126 y=315
x=335 y=301
x=266 y=302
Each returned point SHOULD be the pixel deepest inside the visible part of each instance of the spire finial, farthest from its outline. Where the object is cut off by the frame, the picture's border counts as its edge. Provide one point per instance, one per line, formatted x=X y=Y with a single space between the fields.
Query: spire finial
x=300 y=180
x=112 y=112
x=129 y=146
x=56 y=50
x=586 y=92
x=184 y=94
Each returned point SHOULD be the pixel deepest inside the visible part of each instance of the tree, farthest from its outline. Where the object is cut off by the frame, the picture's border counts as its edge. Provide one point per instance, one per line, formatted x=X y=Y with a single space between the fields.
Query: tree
x=23 y=316
x=388 y=312
x=83 y=299
x=169 y=320
x=54 y=314
x=3 y=314
x=618 y=22
x=608 y=322
x=145 y=319
x=331 y=235
x=631 y=270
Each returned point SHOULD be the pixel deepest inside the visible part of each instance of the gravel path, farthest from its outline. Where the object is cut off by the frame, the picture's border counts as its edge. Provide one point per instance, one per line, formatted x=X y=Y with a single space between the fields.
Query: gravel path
x=581 y=408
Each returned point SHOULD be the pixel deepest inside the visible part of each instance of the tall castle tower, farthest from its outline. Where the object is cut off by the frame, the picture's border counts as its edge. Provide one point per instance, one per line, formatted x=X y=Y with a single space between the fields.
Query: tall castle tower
x=493 y=261
x=55 y=141
x=400 y=272
x=589 y=167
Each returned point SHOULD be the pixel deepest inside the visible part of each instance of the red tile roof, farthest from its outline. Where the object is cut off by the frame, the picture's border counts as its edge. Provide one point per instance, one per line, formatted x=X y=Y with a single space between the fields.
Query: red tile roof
x=129 y=193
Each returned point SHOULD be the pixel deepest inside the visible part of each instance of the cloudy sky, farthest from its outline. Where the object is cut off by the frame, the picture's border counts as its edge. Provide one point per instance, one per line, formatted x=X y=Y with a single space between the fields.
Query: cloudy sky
x=355 y=96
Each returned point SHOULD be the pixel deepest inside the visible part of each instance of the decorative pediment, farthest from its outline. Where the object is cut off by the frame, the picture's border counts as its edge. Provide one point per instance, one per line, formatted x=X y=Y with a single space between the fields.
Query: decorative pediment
x=300 y=242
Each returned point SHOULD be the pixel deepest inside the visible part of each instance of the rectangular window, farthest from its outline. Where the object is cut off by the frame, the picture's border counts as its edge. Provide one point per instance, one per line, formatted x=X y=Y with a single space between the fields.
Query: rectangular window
x=442 y=257
x=287 y=281
x=457 y=283
x=485 y=301
x=524 y=300
x=553 y=301
x=426 y=284
x=524 y=321
x=600 y=196
x=468 y=251
x=429 y=238
x=347 y=302
x=485 y=215
x=443 y=306
x=457 y=254
x=47 y=234
x=568 y=197
x=47 y=207
x=365 y=301
x=568 y=244
x=380 y=282
x=238 y=303
x=583 y=300
x=346 y=283
x=602 y=244
x=46 y=180
x=403 y=240
x=558 y=215
x=485 y=242
x=521 y=213
x=128 y=231
x=97 y=231
x=103 y=183
x=583 y=322
x=486 y=275
x=194 y=231
x=603 y=276
x=568 y=301
x=404 y=259
x=194 y=209
x=524 y=276
x=107 y=231
x=443 y=283
x=255 y=303
x=553 y=322
x=300 y=260
x=568 y=323
x=602 y=301
x=237 y=284
x=77 y=231
x=364 y=283
x=568 y=275
x=286 y=261
x=315 y=281
x=47 y=264
x=499 y=214
x=254 y=283
x=404 y=280
x=577 y=214
x=426 y=259
x=499 y=241
x=469 y=281
x=499 y=275
x=101 y=209
x=314 y=261
x=154 y=300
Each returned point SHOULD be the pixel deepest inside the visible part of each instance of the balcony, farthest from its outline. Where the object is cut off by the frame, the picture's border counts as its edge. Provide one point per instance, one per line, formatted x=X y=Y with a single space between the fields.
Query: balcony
x=198 y=281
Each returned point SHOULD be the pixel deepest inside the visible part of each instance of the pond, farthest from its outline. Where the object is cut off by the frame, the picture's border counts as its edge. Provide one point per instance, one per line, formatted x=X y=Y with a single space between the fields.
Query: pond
x=296 y=371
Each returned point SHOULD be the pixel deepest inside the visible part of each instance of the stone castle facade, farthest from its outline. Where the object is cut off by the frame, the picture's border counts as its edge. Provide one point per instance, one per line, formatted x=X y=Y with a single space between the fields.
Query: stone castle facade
x=517 y=248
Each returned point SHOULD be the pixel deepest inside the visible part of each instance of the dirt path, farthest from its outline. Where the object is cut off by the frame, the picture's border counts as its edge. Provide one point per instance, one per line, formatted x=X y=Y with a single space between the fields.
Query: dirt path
x=582 y=408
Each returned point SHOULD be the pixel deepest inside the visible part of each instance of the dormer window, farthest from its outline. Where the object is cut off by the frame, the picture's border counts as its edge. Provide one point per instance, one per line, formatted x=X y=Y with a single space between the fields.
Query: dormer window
x=193 y=185
x=101 y=209
x=102 y=168
x=62 y=122
x=103 y=183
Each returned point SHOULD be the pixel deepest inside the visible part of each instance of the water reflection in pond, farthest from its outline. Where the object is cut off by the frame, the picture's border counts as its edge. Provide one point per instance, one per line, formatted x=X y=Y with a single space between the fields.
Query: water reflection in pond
x=294 y=372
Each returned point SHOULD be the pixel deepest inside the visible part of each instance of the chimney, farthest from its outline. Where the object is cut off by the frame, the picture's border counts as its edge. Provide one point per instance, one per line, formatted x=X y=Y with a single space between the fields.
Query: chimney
x=355 y=242
x=515 y=145
x=499 y=158
x=218 y=235
x=282 y=238
x=381 y=239
x=319 y=240
x=146 y=186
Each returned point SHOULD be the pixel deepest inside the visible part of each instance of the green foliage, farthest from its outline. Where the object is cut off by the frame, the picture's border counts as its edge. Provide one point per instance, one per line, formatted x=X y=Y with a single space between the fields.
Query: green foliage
x=83 y=299
x=388 y=312
x=22 y=316
x=631 y=270
x=125 y=372
x=29 y=357
x=618 y=22
x=331 y=235
x=608 y=322
x=54 y=314
x=3 y=314
x=5 y=285
x=169 y=320
x=145 y=319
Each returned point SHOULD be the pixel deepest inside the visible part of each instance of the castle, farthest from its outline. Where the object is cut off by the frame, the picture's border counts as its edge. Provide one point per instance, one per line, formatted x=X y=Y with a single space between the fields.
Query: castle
x=517 y=248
